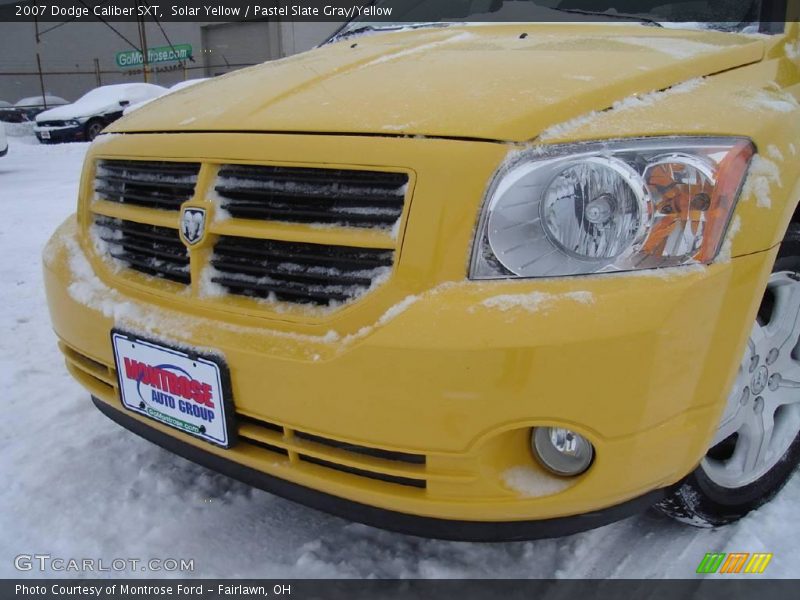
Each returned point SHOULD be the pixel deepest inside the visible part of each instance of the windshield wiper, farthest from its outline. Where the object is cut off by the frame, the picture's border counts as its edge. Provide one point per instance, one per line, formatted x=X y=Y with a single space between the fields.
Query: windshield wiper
x=351 y=32
x=578 y=11
x=343 y=35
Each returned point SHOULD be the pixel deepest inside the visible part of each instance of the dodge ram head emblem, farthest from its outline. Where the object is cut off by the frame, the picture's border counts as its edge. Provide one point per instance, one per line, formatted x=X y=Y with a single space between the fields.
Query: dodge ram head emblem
x=193 y=225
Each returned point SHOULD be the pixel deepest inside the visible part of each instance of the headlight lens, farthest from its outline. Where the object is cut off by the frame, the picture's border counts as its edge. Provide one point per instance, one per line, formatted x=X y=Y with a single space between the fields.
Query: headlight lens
x=608 y=207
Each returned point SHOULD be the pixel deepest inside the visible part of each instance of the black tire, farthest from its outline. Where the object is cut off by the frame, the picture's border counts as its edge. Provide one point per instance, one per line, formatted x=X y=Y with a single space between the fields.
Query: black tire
x=92 y=129
x=701 y=502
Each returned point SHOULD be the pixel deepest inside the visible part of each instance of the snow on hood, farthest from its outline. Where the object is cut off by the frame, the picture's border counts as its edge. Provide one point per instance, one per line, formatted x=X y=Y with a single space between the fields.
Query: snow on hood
x=102 y=100
x=487 y=81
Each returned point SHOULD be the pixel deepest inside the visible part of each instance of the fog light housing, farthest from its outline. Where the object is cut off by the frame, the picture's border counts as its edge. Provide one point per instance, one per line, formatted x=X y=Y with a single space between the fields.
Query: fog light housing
x=562 y=451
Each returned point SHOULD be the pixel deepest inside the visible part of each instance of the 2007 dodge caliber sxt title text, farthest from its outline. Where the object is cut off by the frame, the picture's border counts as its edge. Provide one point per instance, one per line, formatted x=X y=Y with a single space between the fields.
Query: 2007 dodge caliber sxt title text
x=467 y=281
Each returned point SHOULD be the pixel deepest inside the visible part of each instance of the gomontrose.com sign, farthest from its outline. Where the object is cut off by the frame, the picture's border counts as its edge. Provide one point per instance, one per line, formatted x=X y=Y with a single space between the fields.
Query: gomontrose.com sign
x=163 y=54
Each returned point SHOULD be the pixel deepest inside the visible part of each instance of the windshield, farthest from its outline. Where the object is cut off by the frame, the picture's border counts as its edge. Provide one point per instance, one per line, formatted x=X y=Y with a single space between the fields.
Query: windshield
x=725 y=15
x=97 y=93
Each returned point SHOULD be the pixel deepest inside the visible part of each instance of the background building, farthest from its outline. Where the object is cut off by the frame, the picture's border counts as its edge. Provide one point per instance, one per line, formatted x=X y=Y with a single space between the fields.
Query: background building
x=76 y=57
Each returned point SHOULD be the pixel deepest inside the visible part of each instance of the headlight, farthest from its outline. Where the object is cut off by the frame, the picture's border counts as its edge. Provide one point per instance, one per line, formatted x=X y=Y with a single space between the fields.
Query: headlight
x=72 y=123
x=606 y=207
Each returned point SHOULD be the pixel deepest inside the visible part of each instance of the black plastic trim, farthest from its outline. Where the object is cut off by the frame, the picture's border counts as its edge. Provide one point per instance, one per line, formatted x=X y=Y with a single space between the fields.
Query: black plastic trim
x=427 y=527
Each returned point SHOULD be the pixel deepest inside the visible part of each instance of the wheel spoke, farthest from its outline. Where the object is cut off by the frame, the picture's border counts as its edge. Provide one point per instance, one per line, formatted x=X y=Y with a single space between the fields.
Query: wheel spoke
x=783 y=324
x=758 y=338
x=729 y=426
x=788 y=383
x=756 y=434
x=787 y=377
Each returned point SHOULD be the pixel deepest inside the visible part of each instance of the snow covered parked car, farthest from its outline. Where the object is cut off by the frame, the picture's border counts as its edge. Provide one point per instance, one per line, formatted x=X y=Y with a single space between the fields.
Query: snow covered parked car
x=26 y=109
x=84 y=119
x=3 y=141
x=181 y=85
x=472 y=282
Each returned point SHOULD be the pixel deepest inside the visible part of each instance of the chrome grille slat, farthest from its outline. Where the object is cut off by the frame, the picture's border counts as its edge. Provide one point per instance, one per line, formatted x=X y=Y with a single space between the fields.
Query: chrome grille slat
x=299 y=252
x=303 y=215
x=264 y=268
x=327 y=196
x=149 y=249
x=154 y=250
x=283 y=291
x=146 y=183
x=341 y=176
x=296 y=271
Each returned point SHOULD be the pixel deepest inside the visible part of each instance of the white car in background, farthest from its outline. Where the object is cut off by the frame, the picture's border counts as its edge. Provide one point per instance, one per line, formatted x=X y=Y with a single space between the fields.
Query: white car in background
x=3 y=141
x=85 y=118
x=181 y=85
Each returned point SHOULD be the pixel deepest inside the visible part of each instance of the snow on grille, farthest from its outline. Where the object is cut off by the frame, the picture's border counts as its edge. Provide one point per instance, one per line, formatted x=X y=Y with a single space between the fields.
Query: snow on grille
x=152 y=184
x=323 y=196
x=297 y=272
x=152 y=250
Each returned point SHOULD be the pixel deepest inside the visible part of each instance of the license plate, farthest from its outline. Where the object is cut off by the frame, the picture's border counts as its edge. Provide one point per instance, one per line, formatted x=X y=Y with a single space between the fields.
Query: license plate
x=175 y=387
x=45 y=134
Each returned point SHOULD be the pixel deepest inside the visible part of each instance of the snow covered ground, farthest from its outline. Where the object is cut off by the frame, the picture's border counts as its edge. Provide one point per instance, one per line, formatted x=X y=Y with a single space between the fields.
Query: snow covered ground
x=76 y=485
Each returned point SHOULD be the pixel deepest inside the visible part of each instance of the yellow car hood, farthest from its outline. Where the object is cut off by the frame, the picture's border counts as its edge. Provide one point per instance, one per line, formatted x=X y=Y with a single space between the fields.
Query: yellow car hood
x=502 y=82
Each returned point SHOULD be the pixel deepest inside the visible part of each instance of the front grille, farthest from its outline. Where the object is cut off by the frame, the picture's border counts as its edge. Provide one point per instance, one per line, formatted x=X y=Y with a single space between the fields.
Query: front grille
x=328 y=262
x=300 y=195
x=297 y=272
x=164 y=185
x=51 y=123
x=156 y=251
x=399 y=468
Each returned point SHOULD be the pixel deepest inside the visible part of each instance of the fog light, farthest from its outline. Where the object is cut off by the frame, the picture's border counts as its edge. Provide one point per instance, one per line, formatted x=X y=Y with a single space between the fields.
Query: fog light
x=562 y=451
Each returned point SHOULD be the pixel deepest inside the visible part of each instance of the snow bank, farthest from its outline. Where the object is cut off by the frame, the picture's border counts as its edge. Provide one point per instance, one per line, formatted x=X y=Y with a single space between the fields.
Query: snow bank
x=24 y=129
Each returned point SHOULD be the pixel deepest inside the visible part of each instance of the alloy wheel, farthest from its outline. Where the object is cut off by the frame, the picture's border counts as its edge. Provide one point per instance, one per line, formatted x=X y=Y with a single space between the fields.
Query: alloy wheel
x=762 y=417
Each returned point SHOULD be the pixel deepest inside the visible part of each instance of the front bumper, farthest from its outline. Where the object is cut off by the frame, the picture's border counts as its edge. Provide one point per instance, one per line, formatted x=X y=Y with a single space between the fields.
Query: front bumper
x=445 y=529
x=643 y=372
x=57 y=135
